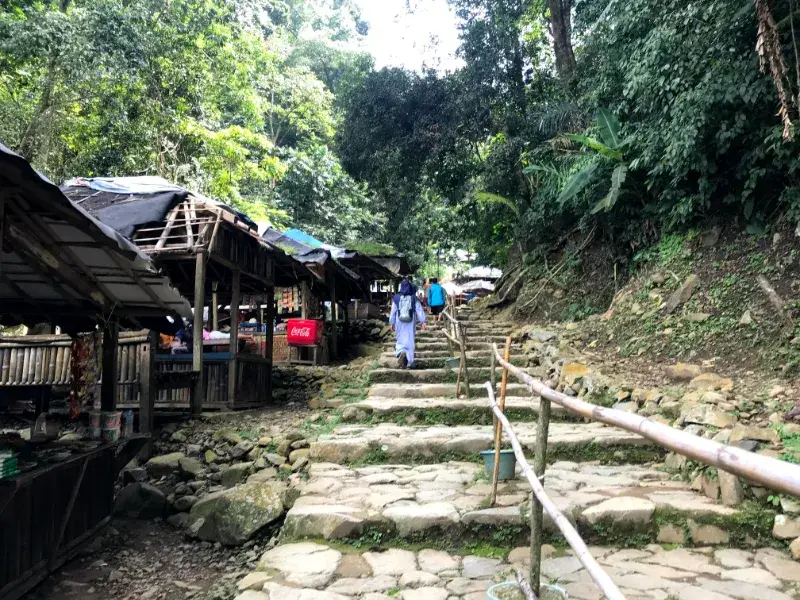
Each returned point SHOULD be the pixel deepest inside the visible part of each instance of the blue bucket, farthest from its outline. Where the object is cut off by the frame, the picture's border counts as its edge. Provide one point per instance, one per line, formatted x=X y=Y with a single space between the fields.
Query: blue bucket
x=508 y=464
x=546 y=592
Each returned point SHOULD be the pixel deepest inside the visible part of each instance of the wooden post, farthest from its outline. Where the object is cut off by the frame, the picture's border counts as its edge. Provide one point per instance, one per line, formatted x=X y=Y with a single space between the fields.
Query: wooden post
x=233 y=365
x=334 y=325
x=305 y=299
x=198 y=397
x=147 y=391
x=2 y=227
x=214 y=307
x=269 y=336
x=539 y=465
x=346 y=324
x=462 y=339
x=108 y=387
x=498 y=428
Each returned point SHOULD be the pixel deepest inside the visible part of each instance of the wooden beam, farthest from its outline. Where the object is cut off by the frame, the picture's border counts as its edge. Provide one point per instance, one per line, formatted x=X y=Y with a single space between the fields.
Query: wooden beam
x=162 y=240
x=198 y=396
x=233 y=369
x=334 y=325
x=147 y=391
x=108 y=387
x=214 y=306
x=305 y=299
x=234 y=267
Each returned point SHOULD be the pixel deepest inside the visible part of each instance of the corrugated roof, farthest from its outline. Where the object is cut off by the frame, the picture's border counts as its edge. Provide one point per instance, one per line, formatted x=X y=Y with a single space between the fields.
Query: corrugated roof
x=59 y=263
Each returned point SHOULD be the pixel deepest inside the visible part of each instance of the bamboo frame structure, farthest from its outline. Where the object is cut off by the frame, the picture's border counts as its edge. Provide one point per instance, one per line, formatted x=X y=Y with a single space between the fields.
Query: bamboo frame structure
x=596 y=572
x=498 y=432
x=458 y=336
x=777 y=475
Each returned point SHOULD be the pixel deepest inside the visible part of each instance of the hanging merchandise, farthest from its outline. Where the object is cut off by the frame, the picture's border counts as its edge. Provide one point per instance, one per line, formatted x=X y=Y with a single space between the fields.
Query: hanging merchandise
x=85 y=371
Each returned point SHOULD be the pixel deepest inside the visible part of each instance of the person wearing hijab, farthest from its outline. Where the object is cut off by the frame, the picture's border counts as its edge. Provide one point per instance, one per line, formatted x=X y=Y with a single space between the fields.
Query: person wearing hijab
x=406 y=313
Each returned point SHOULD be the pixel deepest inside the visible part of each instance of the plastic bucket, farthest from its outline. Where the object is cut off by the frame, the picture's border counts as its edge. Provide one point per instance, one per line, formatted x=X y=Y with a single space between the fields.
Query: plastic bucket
x=508 y=464
x=546 y=592
x=110 y=434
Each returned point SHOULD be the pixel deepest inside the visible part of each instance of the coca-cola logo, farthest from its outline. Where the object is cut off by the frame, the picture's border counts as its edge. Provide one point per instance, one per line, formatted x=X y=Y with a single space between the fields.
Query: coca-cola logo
x=300 y=332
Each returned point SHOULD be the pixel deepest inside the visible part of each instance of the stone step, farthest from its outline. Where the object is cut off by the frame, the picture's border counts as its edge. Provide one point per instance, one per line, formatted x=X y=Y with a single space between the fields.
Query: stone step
x=436 y=390
x=444 y=353
x=390 y=442
x=438 y=336
x=443 y=345
x=314 y=570
x=449 y=501
x=431 y=375
x=450 y=411
x=423 y=362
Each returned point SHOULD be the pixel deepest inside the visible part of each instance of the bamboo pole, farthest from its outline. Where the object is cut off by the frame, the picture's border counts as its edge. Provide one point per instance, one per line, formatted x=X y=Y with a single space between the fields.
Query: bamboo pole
x=778 y=475
x=537 y=516
x=498 y=430
x=596 y=572
x=198 y=395
x=462 y=338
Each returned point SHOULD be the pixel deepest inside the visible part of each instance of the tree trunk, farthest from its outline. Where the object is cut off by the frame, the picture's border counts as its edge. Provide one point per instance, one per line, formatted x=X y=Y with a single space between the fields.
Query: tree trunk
x=561 y=29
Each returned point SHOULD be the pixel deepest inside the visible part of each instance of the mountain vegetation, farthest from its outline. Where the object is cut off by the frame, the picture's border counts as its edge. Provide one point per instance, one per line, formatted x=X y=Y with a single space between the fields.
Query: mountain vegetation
x=617 y=121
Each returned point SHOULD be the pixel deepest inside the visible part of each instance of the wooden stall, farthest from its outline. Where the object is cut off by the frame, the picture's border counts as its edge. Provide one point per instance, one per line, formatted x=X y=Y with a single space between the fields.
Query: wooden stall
x=215 y=256
x=59 y=263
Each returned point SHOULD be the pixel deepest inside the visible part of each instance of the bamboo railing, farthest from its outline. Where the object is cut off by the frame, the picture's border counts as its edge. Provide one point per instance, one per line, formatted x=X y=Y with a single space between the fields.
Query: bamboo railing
x=771 y=473
x=456 y=335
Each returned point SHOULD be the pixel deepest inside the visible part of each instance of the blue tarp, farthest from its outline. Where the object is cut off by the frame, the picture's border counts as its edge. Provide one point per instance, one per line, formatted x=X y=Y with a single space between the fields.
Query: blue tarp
x=303 y=237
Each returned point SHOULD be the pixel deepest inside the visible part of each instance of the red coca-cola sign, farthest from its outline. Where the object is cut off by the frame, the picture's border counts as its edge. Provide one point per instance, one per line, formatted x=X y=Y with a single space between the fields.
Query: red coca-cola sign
x=303 y=332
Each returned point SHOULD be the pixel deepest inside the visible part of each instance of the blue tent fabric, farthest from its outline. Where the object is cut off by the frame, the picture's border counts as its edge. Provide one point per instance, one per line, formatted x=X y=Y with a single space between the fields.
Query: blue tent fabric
x=303 y=237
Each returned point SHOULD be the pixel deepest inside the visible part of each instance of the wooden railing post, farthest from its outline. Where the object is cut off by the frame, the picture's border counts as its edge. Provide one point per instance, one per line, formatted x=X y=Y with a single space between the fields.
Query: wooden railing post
x=537 y=516
x=463 y=342
x=498 y=428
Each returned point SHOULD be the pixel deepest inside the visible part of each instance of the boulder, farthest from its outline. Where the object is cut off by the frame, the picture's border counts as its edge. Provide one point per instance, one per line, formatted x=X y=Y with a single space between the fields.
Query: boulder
x=794 y=548
x=161 y=466
x=233 y=516
x=242 y=448
x=235 y=474
x=328 y=521
x=704 y=414
x=682 y=294
x=710 y=382
x=707 y=534
x=759 y=434
x=184 y=503
x=683 y=371
x=573 y=371
x=228 y=435
x=296 y=455
x=786 y=528
x=209 y=456
x=731 y=490
x=190 y=467
x=140 y=501
x=253 y=581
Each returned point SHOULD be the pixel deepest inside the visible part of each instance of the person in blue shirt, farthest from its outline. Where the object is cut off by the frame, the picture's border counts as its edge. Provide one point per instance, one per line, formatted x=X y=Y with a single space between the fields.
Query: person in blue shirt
x=437 y=298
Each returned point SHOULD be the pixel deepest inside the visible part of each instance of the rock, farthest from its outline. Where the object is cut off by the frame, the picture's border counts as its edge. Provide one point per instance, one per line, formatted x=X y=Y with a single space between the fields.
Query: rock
x=760 y=434
x=233 y=516
x=704 y=414
x=228 y=435
x=629 y=407
x=353 y=566
x=707 y=534
x=252 y=595
x=190 y=467
x=734 y=559
x=794 y=548
x=707 y=485
x=747 y=319
x=161 y=466
x=777 y=390
x=502 y=515
x=731 y=490
x=573 y=372
x=418 y=579
x=134 y=474
x=329 y=521
x=632 y=510
x=296 y=455
x=658 y=278
x=436 y=561
x=264 y=475
x=477 y=567
x=240 y=449
x=350 y=586
x=683 y=371
x=179 y=520
x=235 y=474
x=410 y=518
x=790 y=505
x=782 y=568
x=698 y=317
x=339 y=451
x=178 y=437
x=300 y=464
x=682 y=294
x=300 y=444
x=391 y=562
x=253 y=581
x=275 y=459
x=209 y=456
x=305 y=564
x=749 y=445
x=786 y=528
x=425 y=593
x=710 y=238
x=184 y=503
x=753 y=576
x=264 y=441
x=283 y=447
x=711 y=382
x=140 y=501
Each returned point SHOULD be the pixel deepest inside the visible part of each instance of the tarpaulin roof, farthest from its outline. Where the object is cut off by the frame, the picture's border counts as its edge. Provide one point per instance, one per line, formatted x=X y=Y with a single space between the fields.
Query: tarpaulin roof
x=489 y=273
x=60 y=263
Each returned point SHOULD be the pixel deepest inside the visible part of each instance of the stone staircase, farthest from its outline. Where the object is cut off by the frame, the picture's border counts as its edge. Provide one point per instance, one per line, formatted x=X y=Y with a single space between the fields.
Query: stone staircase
x=397 y=505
